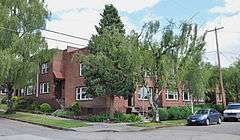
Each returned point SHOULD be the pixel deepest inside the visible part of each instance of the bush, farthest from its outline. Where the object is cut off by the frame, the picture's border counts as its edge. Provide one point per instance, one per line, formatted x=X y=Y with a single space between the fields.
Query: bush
x=174 y=113
x=4 y=100
x=20 y=103
x=35 y=106
x=119 y=117
x=62 y=113
x=163 y=114
x=45 y=107
x=185 y=112
x=75 y=108
x=133 y=118
x=98 y=118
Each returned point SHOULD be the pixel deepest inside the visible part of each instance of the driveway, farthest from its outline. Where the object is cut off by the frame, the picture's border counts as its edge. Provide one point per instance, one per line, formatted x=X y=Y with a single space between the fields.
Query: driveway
x=12 y=130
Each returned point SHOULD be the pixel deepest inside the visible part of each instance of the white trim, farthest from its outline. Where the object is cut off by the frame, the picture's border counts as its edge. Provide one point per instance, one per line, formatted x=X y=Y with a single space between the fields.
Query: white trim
x=44 y=68
x=189 y=97
x=80 y=94
x=80 y=69
x=175 y=95
x=140 y=93
x=30 y=90
x=44 y=88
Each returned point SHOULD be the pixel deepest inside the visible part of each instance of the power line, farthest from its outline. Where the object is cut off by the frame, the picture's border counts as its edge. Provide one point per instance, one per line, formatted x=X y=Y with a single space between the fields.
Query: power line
x=60 y=33
x=56 y=32
x=48 y=38
x=58 y=40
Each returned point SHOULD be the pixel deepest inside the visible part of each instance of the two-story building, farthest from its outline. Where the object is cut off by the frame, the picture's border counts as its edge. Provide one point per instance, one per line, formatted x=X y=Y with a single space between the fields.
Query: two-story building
x=61 y=82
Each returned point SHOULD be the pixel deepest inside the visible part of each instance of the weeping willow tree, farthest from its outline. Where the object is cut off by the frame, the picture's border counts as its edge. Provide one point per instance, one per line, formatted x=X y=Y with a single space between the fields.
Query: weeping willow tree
x=22 y=47
x=170 y=60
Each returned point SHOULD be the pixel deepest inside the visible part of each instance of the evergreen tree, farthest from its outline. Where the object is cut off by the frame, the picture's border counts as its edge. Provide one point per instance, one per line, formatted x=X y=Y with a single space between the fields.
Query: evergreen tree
x=110 y=20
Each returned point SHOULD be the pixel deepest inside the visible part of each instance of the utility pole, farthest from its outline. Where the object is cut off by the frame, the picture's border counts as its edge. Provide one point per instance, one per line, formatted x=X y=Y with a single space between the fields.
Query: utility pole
x=219 y=66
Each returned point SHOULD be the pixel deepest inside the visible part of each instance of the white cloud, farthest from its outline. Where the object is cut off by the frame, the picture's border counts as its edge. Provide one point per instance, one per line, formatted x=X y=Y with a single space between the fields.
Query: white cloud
x=229 y=37
x=230 y=6
x=78 y=17
x=122 y=5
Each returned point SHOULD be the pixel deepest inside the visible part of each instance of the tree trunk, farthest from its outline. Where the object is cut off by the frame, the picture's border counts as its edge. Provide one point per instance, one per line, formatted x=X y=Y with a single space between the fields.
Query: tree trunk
x=9 y=99
x=111 y=106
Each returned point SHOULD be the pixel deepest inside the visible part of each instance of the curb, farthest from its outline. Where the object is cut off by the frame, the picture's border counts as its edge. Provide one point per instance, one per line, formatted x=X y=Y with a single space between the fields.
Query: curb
x=140 y=130
x=44 y=125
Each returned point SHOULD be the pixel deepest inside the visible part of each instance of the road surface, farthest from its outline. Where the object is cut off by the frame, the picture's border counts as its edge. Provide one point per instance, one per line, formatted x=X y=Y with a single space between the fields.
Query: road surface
x=13 y=130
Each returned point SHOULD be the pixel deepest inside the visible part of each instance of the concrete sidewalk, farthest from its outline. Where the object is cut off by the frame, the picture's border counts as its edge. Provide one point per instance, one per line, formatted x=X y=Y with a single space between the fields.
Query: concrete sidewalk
x=109 y=127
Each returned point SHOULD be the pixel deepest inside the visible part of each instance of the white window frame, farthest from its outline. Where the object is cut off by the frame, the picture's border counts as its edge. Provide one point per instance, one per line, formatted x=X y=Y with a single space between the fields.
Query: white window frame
x=42 y=86
x=189 y=97
x=81 y=69
x=174 y=93
x=79 y=94
x=140 y=93
x=30 y=90
x=44 y=68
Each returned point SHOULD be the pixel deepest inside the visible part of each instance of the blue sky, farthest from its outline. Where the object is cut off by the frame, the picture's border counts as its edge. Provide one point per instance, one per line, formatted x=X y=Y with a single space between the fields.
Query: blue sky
x=78 y=17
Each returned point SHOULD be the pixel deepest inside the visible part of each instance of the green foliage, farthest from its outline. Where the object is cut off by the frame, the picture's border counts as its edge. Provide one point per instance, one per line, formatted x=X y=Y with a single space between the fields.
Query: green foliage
x=117 y=117
x=110 y=20
x=46 y=108
x=219 y=108
x=185 y=112
x=163 y=114
x=4 y=100
x=75 y=108
x=63 y=113
x=133 y=118
x=35 y=106
x=174 y=113
x=21 y=44
x=98 y=118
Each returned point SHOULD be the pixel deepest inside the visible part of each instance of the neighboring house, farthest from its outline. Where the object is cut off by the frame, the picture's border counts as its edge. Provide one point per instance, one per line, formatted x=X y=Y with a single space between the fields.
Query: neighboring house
x=61 y=83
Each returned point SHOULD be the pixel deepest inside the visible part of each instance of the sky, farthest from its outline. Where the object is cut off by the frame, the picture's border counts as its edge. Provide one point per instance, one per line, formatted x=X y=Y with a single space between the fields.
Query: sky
x=79 y=17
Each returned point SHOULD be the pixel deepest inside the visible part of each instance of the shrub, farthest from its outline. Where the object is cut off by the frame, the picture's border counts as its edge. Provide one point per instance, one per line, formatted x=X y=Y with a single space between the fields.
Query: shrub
x=35 y=106
x=219 y=108
x=45 y=107
x=119 y=117
x=98 y=118
x=133 y=118
x=185 y=112
x=20 y=103
x=174 y=113
x=62 y=113
x=4 y=100
x=75 y=108
x=163 y=114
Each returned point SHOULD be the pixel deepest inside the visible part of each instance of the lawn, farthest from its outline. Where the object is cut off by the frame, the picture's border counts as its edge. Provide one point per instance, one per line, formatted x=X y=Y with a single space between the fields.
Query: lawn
x=44 y=120
x=161 y=124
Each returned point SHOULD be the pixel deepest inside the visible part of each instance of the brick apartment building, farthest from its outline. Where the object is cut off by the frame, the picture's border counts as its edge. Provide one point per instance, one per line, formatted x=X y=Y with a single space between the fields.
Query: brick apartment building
x=61 y=83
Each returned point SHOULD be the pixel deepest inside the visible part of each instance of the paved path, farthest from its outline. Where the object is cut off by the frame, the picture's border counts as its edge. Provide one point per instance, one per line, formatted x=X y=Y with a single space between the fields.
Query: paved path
x=12 y=130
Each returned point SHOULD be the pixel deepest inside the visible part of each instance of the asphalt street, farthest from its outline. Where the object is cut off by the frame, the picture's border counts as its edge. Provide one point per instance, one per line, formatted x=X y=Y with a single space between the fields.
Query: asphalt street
x=13 y=130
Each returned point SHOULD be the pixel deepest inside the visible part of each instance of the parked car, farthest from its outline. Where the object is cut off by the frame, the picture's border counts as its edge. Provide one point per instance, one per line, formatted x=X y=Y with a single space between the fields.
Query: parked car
x=232 y=112
x=205 y=117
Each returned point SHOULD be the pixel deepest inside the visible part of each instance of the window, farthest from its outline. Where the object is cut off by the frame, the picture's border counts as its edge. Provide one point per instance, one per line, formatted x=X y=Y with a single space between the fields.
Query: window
x=81 y=66
x=186 y=96
x=44 y=88
x=142 y=94
x=171 y=95
x=44 y=68
x=30 y=90
x=81 y=94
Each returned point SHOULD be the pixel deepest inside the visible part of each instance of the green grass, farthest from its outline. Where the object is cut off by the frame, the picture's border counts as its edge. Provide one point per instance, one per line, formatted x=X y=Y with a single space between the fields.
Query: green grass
x=161 y=124
x=44 y=120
